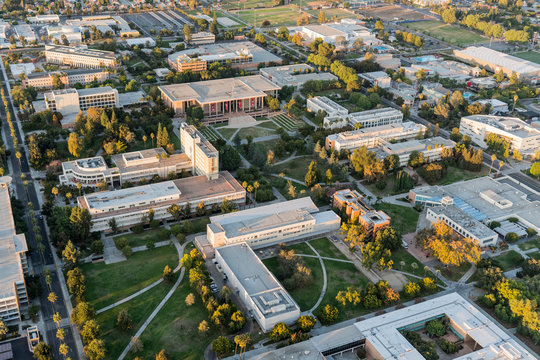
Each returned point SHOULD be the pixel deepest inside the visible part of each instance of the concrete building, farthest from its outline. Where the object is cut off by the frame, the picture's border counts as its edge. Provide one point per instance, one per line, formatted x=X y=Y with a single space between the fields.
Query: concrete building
x=202 y=38
x=44 y=80
x=242 y=54
x=373 y=137
x=518 y=133
x=495 y=61
x=18 y=69
x=330 y=107
x=340 y=34
x=386 y=61
x=381 y=336
x=446 y=69
x=482 y=83
x=222 y=97
x=26 y=32
x=485 y=199
x=13 y=263
x=72 y=101
x=352 y=202
x=72 y=33
x=204 y=156
x=463 y=224
x=405 y=91
x=144 y=41
x=378 y=78
x=294 y=75
x=129 y=206
x=42 y=19
x=497 y=106
x=435 y=93
x=365 y=119
x=260 y=291
x=271 y=224
x=431 y=148
x=79 y=56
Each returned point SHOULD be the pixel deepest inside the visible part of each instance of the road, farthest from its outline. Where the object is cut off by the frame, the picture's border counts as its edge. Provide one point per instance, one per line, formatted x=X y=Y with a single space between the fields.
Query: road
x=37 y=263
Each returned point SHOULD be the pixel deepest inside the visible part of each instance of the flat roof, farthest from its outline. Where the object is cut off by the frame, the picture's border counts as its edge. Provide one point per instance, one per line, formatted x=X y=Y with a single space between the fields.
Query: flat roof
x=325 y=30
x=512 y=63
x=511 y=125
x=324 y=102
x=220 y=89
x=469 y=223
x=376 y=131
x=11 y=244
x=262 y=287
x=418 y=145
x=295 y=74
x=80 y=50
x=96 y=90
x=132 y=98
x=147 y=159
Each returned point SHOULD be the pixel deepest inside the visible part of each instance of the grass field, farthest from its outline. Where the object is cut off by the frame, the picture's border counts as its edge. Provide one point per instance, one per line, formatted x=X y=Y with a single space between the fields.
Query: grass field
x=403 y=218
x=446 y=32
x=286 y=122
x=453 y=273
x=509 y=260
x=326 y=248
x=210 y=133
x=403 y=255
x=533 y=56
x=247 y=4
x=255 y=132
x=535 y=255
x=143 y=238
x=227 y=133
x=455 y=174
x=530 y=244
x=333 y=13
x=106 y=284
x=278 y=16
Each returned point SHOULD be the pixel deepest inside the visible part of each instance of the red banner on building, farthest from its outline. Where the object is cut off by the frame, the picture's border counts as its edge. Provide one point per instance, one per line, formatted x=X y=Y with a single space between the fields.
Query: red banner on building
x=239 y=104
x=252 y=102
x=213 y=107
x=227 y=106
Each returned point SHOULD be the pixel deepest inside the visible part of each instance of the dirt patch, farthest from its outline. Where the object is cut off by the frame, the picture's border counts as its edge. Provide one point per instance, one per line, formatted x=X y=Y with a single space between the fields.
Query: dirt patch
x=391 y=12
x=395 y=280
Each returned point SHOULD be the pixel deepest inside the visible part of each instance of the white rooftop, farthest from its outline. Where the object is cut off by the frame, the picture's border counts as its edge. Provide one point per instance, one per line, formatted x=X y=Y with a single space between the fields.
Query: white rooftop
x=512 y=63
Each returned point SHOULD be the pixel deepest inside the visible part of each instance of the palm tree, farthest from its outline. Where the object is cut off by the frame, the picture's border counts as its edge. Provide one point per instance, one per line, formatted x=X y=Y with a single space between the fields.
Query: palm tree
x=18 y=155
x=500 y=167
x=144 y=138
x=57 y=318
x=414 y=265
x=256 y=185
x=63 y=349
x=250 y=191
x=152 y=137
x=241 y=341
x=54 y=191
x=79 y=187
x=61 y=334
x=426 y=270
x=402 y=264
x=493 y=157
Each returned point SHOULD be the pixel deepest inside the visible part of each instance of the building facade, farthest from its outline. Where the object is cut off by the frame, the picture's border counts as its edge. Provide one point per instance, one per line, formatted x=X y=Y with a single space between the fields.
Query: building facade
x=204 y=156
x=79 y=56
x=13 y=262
x=69 y=78
x=131 y=205
x=271 y=224
x=330 y=107
x=72 y=101
x=431 y=148
x=294 y=75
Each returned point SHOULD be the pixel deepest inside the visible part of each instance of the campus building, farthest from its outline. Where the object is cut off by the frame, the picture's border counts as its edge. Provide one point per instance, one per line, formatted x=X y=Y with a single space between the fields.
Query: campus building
x=377 y=78
x=25 y=31
x=485 y=200
x=373 y=137
x=259 y=290
x=220 y=98
x=71 y=33
x=381 y=336
x=129 y=206
x=79 y=56
x=330 y=107
x=340 y=34
x=204 y=156
x=72 y=101
x=243 y=54
x=202 y=38
x=44 y=80
x=13 y=262
x=463 y=224
x=352 y=203
x=431 y=148
x=129 y=167
x=271 y=224
x=518 y=133
x=496 y=61
x=365 y=119
x=294 y=75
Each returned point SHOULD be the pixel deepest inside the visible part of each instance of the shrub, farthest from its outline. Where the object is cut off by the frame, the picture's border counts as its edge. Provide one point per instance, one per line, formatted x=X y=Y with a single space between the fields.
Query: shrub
x=449 y=347
x=428 y=284
x=531 y=232
x=280 y=331
x=126 y=250
x=511 y=237
x=154 y=224
x=435 y=328
x=381 y=185
x=164 y=234
x=121 y=243
x=328 y=314
x=97 y=247
x=306 y=322
x=150 y=244
x=188 y=227
x=181 y=238
x=488 y=300
x=137 y=229
x=411 y=289
x=176 y=229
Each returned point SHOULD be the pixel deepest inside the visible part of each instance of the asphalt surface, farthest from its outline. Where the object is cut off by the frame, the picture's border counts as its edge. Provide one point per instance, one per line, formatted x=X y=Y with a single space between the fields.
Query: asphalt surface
x=47 y=309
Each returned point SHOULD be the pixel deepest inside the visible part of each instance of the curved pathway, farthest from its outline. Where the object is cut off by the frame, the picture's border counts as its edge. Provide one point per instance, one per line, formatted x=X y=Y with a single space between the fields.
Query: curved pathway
x=325 y=280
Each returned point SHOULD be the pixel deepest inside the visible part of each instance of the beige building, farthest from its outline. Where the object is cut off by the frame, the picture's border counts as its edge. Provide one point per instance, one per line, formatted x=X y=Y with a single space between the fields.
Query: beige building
x=129 y=206
x=431 y=148
x=204 y=156
x=72 y=101
x=13 y=263
x=44 y=80
x=220 y=98
x=79 y=56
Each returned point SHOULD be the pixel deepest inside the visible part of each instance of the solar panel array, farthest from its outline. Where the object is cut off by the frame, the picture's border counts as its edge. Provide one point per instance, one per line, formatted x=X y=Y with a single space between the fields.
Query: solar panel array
x=469 y=210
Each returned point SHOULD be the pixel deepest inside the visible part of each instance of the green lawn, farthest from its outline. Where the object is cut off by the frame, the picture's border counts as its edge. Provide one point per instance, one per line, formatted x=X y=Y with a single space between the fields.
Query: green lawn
x=509 y=260
x=281 y=185
x=340 y=276
x=210 y=133
x=332 y=13
x=455 y=174
x=106 y=284
x=175 y=141
x=534 y=255
x=387 y=191
x=227 y=133
x=278 y=16
x=264 y=146
x=308 y=296
x=403 y=218
x=298 y=167
x=326 y=248
x=267 y=125
x=301 y=248
x=286 y=122
x=247 y=4
x=139 y=309
x=175 y=329
x=143 y=238
x=530 y=244
x=255 y=132
x=533 y=56
x=450 y=33
x=199 y=225
x=403 y=255
x=454 y=273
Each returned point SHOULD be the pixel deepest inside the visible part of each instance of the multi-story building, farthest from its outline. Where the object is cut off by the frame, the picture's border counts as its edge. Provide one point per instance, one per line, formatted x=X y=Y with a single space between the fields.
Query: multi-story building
x=259 y=290
x=377 y=78
x=294 y=75
x=271 y=224
x=520 y=135
x=44 y=80
x=330 y=107
x=204 y=156
x=72 y=33
x=26 y=32
x=13 y=263
x=130 y=167
x=463 y=224
x=351 y=202
x=202 y=38
x=79 y=56
x=129 y=206
x=44 y=19
x=72 y=101
x=243 y=54
x=220 y=98
x=373 y=137
x=431 y=148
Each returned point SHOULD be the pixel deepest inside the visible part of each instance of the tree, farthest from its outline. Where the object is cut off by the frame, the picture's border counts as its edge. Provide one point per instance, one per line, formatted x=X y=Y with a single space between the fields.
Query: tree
x=321 y=17
x=42 y=351
x=242 y=341
x=90 y=331
x=75 y=144
x=279 y=332
x=329 y=176
x=379 y=25
x=168 y=274
x=535 y=169
x=3 y=330
x=222 y=345
x=328 y=314
x=187 y=33
x=411 y=289
x=449 y=16
x=76 y=283
x=272 y=102
x=70 y=255
x=80 y=221
x=82 y=312
x=124 y=321
x=190 y=299
x=203 y=327
x=449 y=248
x=435 y=328
x=306 y=323
x=136 y=345
x=259 y=38
x=312 y=175
x=95 y=350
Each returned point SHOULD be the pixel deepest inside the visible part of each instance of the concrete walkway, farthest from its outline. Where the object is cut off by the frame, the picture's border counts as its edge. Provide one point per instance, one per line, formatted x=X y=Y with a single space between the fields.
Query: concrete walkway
x=110 y=253
x=289 y=178
x=325 y=281
x=325 y=258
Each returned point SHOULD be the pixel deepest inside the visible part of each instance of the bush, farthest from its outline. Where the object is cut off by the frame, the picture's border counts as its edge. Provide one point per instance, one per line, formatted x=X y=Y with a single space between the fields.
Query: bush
x=154 y=224
x=188 y=227
x=328 y=314
x=96 y=247
x=381 y=185
x=411 y=289
x=150 y=244
x=181 y=238
x=435 y=328
x=511 y=237
x=280 y=331
x=121 y=243
x=164 y=234
x=176 y=229
x=126 y=250
x=137 y=229
x=306 y=323
x=531 y=232
x=449 y=347
x=488 y=300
